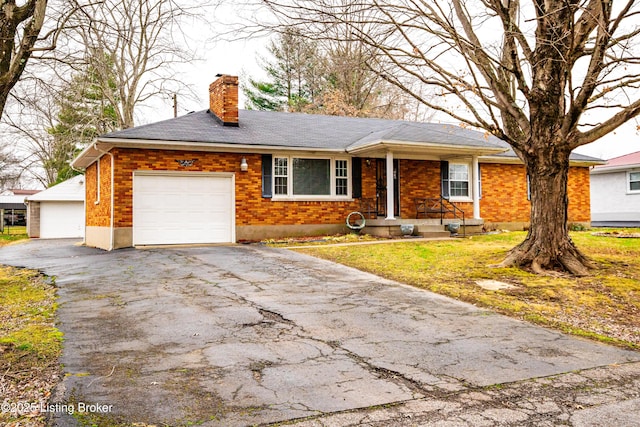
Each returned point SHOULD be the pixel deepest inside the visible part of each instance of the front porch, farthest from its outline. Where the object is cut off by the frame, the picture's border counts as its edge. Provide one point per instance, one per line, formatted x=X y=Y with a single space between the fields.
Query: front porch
x=419 y=194
x=427 y=185
x=423 y=227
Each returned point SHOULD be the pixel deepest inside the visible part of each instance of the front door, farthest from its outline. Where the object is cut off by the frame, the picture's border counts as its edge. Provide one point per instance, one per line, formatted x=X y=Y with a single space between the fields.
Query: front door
x=381 y=187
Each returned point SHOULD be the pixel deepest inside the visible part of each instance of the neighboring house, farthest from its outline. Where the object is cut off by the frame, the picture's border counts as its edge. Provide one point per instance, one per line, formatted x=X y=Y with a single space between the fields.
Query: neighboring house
x=615 y=192
x=13 y=208
x=19 y=192
x=58 y=212
x=224 y=175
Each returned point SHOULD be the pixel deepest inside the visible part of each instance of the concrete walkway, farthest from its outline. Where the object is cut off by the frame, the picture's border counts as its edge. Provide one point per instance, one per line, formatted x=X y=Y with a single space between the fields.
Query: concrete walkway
x=243 y=335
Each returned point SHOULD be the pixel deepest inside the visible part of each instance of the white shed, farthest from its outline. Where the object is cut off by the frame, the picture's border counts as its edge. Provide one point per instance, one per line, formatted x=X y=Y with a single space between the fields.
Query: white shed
x=58 y=212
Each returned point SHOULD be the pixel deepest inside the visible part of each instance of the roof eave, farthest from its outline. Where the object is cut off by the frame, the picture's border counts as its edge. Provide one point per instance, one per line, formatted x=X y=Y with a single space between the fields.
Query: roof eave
x=514 y=160
x=618 y=168
x=585 y=163
x=422 y=148
x=91 y=154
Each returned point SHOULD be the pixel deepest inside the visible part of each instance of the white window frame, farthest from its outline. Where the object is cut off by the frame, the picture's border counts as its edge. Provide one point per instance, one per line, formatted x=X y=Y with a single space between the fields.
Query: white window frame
x=629 y=181
x=301 y=197
x=344 y=178
x=470 y=178
x=275 y=176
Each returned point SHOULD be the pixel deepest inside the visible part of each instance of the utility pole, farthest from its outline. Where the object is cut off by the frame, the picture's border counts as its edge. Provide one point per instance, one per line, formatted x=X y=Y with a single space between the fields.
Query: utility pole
x=175 y=105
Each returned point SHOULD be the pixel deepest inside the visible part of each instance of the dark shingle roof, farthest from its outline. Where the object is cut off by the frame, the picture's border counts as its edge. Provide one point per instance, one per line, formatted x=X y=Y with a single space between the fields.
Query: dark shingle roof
x=310 y=131
x=300 y=131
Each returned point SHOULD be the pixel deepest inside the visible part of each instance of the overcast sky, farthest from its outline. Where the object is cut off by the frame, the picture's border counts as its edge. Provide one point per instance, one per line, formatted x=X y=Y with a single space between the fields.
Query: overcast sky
x=240 y=57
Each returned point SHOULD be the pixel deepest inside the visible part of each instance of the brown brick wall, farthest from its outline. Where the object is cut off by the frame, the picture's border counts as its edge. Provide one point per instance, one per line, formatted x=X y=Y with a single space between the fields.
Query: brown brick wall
x=503 y=189
x=579 y=195
x=98 y=214
x=251 y=207
x=418 y=179
x=369 y=178
x=504 y=194
x=223 y=99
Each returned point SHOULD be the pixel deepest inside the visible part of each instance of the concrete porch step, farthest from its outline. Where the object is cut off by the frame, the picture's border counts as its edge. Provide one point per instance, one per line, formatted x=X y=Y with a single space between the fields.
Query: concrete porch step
x=425 y=230
x=431 y=231
x=422 y=227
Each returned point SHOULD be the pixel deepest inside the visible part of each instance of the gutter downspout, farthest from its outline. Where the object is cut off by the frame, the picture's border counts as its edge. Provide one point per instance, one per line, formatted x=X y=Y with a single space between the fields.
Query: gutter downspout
x=112 y=231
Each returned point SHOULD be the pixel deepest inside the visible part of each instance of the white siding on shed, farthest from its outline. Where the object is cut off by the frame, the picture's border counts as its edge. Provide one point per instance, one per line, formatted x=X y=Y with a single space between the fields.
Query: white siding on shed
x=61 y=213
x=61 y=220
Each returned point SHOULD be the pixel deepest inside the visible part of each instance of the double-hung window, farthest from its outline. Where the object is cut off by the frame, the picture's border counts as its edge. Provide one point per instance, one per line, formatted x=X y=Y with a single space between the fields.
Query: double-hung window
x=634 y=182
x=458 y=180
x=310 y=177
x=342 y=178
x=281 y=175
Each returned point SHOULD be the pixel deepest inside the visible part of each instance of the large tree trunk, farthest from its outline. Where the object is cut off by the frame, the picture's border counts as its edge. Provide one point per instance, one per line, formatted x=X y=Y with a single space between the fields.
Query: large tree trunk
x=19 y=30
x=548 y=246
x=546 y=150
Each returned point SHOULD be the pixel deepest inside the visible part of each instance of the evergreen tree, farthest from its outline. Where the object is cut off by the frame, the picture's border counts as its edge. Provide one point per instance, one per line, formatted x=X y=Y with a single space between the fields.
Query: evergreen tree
x=293 y=76
x=330 y=78
x=83 y=114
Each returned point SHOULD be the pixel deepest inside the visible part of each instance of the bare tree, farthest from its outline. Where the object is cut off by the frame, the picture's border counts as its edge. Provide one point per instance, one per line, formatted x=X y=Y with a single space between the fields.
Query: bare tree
x=28 y=32
x=110 y=58
x=352 y=82
x=546 y=77
x=29 y=125
x=9 y=172
x=132 y=46
x=54 y=121
x=326 y=77
x=20 y=27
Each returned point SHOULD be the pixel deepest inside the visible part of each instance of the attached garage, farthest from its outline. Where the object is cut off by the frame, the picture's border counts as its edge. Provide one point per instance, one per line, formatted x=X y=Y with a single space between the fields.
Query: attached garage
x=58 y=212
x=183 y=208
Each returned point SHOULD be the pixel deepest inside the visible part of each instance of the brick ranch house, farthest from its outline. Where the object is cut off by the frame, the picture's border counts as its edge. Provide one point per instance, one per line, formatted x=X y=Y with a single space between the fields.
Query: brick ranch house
x=228 y=175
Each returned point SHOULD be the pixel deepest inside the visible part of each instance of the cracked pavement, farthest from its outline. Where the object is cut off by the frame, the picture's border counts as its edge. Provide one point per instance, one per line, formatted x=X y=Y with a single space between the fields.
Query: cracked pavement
x=244 y=335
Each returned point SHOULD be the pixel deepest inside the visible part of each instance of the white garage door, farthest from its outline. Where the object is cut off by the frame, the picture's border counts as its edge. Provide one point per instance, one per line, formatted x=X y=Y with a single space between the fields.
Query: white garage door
x=176 y=208
x=61 y=220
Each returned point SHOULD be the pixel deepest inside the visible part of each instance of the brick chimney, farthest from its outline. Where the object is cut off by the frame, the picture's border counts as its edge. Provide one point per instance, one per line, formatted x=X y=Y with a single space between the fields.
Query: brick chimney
x=223 y=99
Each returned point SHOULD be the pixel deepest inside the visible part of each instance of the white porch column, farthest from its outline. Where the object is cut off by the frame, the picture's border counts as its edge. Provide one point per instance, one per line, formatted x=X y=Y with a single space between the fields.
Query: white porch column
x=476 y=187
x=390 y=195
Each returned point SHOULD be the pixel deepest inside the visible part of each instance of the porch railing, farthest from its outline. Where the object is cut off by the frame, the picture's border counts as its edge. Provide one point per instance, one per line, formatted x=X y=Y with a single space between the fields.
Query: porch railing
x=439 y=206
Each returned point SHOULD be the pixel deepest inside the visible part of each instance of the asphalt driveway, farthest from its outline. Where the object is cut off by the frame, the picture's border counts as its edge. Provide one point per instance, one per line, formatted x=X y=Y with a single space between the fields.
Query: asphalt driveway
x=239 y=335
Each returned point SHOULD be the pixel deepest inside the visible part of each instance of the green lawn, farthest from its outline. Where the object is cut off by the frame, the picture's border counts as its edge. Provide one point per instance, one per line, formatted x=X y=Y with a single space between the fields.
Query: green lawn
x=603 y=306
x=12 y=234
x=30 y=344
